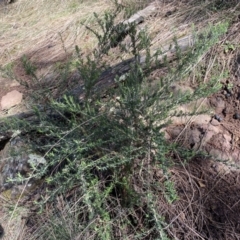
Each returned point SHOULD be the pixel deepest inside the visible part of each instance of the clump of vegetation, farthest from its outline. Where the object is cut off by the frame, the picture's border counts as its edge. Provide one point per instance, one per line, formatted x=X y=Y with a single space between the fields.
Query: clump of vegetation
x=102 y=151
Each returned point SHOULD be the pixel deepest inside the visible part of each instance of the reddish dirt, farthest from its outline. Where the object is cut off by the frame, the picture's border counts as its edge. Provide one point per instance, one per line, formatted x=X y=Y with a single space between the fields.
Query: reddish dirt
x=209 y=187
x=47 y=82
x=8 y=85
x=220 y=136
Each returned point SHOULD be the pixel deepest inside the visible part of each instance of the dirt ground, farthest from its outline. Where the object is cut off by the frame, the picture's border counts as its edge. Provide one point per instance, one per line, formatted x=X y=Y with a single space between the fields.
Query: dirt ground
x=209 y=201
x=208 y=187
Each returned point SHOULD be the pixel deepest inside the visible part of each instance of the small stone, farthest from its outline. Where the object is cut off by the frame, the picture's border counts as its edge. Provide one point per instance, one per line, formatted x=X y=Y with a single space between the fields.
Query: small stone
x=236 y=116
x=215 y=122
x=213 y=165
x=229 y=92
x=238 y=59
x=1 y=231
x=218 y=118
x=11 y=99
x=168 y=13
x=228 y=95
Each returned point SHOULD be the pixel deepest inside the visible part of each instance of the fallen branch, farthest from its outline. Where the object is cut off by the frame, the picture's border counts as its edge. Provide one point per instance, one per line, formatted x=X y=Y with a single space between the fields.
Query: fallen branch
x=107 y=80
x=108 y=77
x=121 y=30
x=141 y=15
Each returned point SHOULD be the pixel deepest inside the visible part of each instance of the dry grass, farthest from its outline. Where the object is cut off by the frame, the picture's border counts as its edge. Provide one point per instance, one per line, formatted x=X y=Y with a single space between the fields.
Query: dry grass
x=47 y=29
x=178 y=19
x=207 y=201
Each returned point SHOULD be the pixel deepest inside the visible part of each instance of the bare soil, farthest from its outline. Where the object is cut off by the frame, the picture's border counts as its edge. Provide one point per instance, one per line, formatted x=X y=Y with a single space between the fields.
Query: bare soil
x=208 y=187
x=209 y=201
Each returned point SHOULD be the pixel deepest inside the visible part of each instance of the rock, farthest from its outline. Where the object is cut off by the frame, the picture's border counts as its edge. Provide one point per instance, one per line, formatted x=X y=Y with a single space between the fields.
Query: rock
x=17 y=158
x=202 y=119
x=1 y=231
x=236 y=116
x=215 y=122
x=219 y=118
x=35 y=159
x=11 y=99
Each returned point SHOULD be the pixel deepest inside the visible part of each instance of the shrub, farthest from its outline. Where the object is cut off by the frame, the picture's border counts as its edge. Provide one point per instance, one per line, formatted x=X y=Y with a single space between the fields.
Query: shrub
x=106 y=149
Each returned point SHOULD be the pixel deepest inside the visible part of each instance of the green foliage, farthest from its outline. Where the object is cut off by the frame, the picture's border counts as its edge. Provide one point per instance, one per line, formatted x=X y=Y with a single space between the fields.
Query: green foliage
x=30 y=69
x=108 y=149
x=229 y=47
x=109 y=33
x=170 y=191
